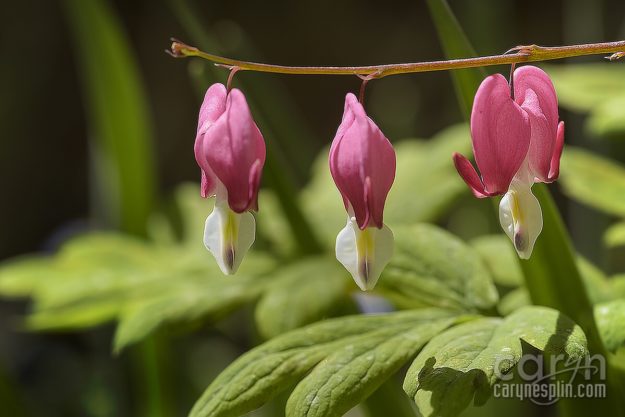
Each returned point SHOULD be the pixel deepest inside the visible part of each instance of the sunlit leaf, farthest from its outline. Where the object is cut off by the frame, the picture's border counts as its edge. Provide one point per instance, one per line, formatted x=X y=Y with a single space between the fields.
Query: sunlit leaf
x=615 y=235
x=351 y=373
x=301 y=293
x=19 y=277
x=598 y=89
x=513 y=300
x=593 y=180
x=203 y=295
x=610 y=318
x=618 y=285
x=498 y=254
x=273 y=226
x=597 y=285
x=339 y=362
x=276 y=365
x=426 y=184
x=193 y=211
x=101 y=277
x=460 y=362
x=431 y=267
x=500 y=258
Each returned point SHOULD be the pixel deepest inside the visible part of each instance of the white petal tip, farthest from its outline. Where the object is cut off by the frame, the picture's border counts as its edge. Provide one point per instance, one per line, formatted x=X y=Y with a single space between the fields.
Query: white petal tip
x=521 y=218
x=364 y=253
x=228 y=236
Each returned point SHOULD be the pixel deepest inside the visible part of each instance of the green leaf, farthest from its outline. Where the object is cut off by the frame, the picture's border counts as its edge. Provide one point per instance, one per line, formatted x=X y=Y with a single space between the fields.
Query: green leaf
x=512 y=301
x=101 y=277
x=301 y=293
x=193 y=210
x=609 y=118
x=388 y=399
x=460 y=363
x=20 y=277
x=456 y=45
x=88 y=281
x=596 y=283
x=431 y=267
x=353 y=372
x=498 y=253
x=118 y=115
x=426 y=184
x=273 y=227
x=610 y=318
x=615 y=235
x=618 y=285
x=593 y=180
x=500 y=258
x=418 y=162
x=199 y=296
x=598 y=89
x=274 y=366
x=553 y=267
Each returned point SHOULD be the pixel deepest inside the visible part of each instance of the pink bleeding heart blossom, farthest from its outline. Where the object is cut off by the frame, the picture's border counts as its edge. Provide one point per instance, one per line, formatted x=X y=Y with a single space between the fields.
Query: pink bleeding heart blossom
x=229 y=148
x=517 y=141
x=506 y=131
x=362 y=163
x=230 y=151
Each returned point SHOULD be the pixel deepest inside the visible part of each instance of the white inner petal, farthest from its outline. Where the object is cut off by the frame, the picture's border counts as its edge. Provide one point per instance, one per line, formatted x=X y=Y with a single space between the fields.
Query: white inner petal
x=364 y=253
x=520 y=217
x=228 y=236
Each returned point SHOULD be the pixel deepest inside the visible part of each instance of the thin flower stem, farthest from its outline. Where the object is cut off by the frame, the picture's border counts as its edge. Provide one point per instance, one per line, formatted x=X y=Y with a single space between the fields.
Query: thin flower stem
x=519 y=54
x=511 y=82
x=365 y=79
x=233 y=70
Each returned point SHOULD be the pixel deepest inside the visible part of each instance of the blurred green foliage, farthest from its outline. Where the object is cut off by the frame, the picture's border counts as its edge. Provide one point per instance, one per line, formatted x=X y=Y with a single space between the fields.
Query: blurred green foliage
x=100 y=277
x=120 y=125
x=597 y=89
x=594 y=180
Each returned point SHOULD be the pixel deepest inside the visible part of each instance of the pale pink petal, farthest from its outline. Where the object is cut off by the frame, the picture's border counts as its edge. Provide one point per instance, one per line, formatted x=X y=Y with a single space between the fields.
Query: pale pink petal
x=213 y=106
x=554 y=169
x=542 y=140
x=500 y=131
x=207 y=187
x=469 y=175
x=346 y=122
x=534 y=91
x=533 y=78
x=362 y=163
x=254 y=183
x=232 y=147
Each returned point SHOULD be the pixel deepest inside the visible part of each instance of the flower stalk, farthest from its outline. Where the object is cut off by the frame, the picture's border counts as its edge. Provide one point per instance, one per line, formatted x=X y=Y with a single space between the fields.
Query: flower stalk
x=519 y=54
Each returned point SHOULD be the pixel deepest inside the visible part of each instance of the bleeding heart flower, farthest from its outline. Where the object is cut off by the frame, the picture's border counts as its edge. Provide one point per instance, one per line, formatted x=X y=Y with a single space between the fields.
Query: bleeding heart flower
x=230 y=151
x=517 y=141
x=362 y=163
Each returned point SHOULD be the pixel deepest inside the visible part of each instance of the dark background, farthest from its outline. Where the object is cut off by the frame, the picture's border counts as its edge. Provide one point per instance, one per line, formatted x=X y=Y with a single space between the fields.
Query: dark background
x=44 y=164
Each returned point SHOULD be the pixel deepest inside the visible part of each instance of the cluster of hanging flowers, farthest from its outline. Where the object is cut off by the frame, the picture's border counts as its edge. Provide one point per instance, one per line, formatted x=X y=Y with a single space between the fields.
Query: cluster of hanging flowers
x=517 y=141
